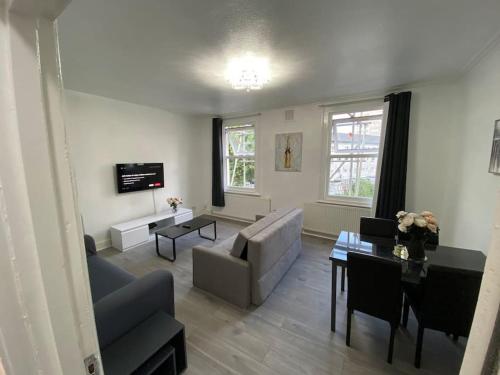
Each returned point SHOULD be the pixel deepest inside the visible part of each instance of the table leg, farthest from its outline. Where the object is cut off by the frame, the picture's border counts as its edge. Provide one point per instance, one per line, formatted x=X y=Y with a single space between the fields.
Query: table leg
x=215 y=229
x=334 y=297
x=157 y=248
x=161 y=255
x=342 y=280
x=208 y=238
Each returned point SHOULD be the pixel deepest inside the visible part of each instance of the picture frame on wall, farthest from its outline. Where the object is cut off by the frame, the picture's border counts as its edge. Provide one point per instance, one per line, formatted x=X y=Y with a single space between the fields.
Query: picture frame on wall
x=288 y=157
x=495 y=150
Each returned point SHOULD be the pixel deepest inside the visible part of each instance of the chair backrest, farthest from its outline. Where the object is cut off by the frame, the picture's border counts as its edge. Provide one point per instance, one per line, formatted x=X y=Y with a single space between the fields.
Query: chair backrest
x=449 y=299
x=374 y=286
x=374 y=226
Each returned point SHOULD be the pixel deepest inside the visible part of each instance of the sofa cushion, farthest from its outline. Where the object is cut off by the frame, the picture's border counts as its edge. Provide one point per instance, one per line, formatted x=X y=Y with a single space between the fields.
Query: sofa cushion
x=105 y=278
x=240 y=244
x=225 y=246
x=267 y=246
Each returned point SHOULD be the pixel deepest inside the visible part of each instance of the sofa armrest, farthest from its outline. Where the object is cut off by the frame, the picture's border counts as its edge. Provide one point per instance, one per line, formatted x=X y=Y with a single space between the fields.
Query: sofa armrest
x=90 y=248
x=222 y=274
x=125 y=308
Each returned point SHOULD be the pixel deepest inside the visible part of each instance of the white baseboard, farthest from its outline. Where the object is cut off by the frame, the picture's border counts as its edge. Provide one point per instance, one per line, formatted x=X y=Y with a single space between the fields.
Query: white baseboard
x=313 y=233
x=231 y=218
x=104 y=244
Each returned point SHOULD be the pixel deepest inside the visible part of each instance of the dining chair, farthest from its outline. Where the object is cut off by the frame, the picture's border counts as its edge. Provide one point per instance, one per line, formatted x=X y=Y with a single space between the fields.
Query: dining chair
x=378 y=227
x=372 y=226
x=445 y=302
x=374 y=288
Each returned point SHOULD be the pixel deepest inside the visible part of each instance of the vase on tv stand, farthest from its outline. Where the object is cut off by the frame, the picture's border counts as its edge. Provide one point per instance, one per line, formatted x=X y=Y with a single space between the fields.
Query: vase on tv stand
x=174 y=203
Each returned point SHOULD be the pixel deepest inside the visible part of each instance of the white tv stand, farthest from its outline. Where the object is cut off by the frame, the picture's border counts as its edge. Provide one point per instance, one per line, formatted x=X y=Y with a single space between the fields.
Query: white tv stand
x=127 y=235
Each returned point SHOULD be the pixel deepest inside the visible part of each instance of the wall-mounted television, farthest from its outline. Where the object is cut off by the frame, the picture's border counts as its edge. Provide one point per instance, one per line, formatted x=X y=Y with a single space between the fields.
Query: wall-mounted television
x=139 y=176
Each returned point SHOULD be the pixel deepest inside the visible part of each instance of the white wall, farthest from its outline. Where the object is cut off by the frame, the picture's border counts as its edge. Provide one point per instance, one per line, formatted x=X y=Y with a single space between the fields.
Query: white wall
x=104 y=132
x=477 y=188
x=433 y=145
x=451 y=126
x=450 y=146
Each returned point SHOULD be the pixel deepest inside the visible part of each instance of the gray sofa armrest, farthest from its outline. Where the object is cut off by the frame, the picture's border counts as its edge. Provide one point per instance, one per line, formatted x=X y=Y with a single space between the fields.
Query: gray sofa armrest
x=89 y=245
x=222 y=274
x=120 y=311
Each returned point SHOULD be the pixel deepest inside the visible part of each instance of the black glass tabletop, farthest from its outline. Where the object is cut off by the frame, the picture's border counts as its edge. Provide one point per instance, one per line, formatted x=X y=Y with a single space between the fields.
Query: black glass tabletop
x=412 y=271
x=184 y=228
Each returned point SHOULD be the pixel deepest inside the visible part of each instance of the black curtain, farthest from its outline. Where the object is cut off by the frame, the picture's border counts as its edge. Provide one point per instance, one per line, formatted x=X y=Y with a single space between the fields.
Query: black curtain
x=217 y=164
x=392 y=188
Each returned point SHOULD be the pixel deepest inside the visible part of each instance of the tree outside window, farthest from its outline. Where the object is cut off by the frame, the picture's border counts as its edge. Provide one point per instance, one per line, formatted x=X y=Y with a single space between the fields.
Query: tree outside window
x=240 y=157
x=353 y=155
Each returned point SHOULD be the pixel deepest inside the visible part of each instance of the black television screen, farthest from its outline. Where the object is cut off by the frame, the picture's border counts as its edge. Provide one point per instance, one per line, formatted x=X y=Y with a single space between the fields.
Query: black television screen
x=136 y=177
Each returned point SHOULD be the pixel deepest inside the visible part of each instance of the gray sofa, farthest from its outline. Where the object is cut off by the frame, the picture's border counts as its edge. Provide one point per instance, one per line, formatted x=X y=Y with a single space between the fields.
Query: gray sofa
x=121 y=301
x=245 y=268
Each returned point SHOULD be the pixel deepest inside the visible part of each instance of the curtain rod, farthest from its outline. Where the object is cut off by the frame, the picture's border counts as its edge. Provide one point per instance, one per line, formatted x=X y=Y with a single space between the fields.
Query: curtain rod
x=353 y=101
x=240 y=116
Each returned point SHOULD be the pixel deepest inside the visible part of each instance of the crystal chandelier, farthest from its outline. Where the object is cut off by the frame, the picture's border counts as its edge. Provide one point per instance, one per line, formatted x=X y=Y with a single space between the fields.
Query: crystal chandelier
x=248 y=72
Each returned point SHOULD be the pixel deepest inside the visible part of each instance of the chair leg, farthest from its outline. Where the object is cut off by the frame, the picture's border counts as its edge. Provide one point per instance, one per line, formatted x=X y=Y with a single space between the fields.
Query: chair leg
x=420 y=339
x=406 y=311
x=348 y=332
x=391 y=343
x=342 y=281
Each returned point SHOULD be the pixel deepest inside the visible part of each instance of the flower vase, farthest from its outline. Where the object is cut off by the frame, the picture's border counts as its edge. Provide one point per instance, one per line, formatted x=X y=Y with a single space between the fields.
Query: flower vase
x=174 y=209
x=416 y=250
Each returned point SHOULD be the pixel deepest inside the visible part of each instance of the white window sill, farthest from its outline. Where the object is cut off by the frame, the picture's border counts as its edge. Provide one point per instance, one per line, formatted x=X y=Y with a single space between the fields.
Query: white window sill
x=334 y=202
x=241 y=192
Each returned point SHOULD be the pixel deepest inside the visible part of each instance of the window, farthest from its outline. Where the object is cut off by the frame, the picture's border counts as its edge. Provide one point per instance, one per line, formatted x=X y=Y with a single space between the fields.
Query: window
x=239 y=153
x=354 y=141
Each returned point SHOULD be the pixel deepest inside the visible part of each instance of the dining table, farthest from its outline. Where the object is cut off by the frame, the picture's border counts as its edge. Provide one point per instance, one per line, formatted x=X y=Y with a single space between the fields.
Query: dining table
x=413 y=272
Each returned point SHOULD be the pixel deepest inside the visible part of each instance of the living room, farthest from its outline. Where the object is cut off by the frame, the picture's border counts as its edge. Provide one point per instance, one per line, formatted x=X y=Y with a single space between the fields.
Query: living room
x=277 y=170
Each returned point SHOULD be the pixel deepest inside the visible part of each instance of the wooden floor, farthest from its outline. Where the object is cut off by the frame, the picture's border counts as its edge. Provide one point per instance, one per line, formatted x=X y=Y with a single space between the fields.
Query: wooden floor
x=290 y=333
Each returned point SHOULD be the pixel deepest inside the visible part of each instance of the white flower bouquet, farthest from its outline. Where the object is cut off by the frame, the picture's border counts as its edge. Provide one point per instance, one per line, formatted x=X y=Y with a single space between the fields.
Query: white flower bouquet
x=419 y=227
x=421 y=223
x=174 y=202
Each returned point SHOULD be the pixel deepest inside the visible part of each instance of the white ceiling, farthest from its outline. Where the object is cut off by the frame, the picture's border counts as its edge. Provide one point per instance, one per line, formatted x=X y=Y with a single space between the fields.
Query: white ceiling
x=171 y=54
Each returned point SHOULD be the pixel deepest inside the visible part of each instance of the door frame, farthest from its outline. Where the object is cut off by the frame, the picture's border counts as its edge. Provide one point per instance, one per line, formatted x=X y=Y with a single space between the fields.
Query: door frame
x=48 y=324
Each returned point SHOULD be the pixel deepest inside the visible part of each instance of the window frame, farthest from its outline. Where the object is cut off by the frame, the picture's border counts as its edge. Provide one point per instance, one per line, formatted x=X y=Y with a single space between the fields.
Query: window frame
x=239 y=124
x=327 y=156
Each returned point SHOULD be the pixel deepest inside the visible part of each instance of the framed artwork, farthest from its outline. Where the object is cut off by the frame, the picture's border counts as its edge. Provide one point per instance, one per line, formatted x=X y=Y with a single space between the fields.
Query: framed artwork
x=288 y=156
x=495 y=150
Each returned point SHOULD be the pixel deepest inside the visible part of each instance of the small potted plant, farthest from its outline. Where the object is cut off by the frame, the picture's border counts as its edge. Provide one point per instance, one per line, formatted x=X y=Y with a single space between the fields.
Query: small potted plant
x=419 y=227
x=174 y=203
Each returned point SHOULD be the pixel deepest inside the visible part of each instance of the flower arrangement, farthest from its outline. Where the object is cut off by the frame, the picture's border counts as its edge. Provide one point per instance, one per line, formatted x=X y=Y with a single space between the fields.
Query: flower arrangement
x=423 y=222
x=419 y=227
x=174 y=202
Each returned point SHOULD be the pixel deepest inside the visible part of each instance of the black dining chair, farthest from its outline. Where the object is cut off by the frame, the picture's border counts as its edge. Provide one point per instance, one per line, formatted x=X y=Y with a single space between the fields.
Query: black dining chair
x=374 y=288
x=446 y=302
x=375 y=227
x=378 y=227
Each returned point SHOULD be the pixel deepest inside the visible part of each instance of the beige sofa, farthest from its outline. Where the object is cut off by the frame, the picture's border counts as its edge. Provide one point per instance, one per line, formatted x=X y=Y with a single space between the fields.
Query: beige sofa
x=246 y=267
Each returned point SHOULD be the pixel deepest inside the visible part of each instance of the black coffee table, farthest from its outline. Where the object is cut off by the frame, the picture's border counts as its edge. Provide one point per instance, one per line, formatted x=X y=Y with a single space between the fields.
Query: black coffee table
x=180 y=230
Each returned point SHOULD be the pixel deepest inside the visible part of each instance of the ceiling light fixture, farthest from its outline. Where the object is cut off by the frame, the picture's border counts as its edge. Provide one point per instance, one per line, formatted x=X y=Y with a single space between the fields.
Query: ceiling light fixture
x=248 y=72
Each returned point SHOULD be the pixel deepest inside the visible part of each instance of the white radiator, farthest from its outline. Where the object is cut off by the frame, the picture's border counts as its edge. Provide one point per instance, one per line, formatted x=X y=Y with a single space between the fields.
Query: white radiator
x=243 y=206
x=331 y=219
